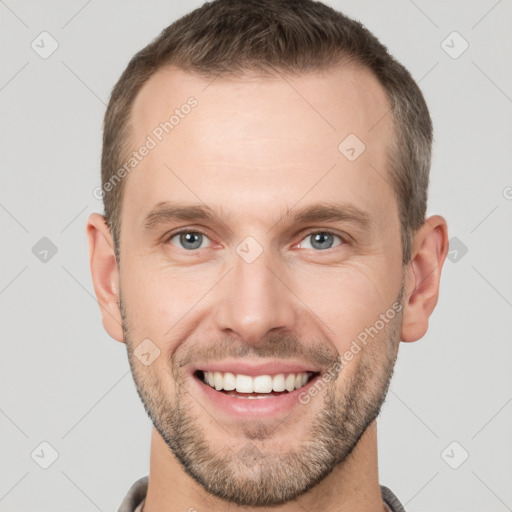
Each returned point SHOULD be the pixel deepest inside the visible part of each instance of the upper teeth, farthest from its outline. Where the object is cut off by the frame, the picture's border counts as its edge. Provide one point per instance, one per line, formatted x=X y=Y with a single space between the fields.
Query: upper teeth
x=259 y=384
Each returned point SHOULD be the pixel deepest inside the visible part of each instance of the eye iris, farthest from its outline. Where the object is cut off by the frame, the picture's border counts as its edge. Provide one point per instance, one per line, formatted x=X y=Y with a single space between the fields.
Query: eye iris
x=321 y=238
x=191 y=237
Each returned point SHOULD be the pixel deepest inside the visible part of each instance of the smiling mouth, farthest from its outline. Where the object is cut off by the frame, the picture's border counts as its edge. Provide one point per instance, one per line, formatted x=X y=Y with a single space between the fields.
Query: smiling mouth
x=261 y=386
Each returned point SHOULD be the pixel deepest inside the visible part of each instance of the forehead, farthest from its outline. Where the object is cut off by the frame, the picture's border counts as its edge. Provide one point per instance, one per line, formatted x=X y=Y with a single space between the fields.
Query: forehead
x=260 y=137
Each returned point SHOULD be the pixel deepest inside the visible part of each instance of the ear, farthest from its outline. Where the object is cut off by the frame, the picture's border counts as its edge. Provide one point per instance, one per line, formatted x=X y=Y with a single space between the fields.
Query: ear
x=423 y=273
x=105 y=275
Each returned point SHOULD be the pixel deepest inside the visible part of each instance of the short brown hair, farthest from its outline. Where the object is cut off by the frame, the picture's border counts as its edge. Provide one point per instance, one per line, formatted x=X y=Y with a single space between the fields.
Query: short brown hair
x=231 y=37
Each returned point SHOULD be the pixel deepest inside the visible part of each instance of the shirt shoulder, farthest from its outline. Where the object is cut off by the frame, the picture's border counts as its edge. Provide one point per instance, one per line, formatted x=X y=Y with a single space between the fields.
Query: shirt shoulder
x=391 y=500
x=134 y=499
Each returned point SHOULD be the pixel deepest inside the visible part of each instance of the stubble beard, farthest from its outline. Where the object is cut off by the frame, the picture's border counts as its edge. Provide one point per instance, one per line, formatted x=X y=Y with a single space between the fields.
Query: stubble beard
x=243 y=472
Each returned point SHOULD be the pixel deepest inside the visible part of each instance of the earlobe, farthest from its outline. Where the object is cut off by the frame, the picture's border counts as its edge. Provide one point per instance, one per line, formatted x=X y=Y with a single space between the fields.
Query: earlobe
x=430 y=247
x=105 y=275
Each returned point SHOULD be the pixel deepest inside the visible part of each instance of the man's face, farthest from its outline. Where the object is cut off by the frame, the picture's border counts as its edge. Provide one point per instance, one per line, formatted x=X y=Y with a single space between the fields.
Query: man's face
x=256 y=285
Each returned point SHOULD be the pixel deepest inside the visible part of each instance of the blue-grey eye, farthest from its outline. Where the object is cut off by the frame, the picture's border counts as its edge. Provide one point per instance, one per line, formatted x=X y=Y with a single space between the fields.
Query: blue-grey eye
x=189 y=240
x=321 y=240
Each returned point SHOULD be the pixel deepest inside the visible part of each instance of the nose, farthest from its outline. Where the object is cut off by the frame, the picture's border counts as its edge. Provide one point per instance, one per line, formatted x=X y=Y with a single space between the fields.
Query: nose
x=255 y=300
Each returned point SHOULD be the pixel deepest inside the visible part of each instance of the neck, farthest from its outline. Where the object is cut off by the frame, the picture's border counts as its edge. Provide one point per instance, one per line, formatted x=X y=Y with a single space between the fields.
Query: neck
x=352 y=485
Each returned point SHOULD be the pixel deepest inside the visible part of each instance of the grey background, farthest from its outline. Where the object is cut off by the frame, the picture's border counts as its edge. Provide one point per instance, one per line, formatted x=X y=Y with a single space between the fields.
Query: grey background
x=64 y=381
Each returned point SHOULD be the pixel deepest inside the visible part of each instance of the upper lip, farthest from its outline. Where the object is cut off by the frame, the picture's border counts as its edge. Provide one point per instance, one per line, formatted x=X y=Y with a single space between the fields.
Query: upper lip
x=254 y=369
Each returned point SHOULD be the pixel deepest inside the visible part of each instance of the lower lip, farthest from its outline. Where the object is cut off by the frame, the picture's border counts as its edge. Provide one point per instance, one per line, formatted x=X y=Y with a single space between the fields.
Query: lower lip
x=256 y=407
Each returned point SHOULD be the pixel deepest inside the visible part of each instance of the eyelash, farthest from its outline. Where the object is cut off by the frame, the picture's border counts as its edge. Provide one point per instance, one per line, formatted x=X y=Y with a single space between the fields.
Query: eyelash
x=343 y=239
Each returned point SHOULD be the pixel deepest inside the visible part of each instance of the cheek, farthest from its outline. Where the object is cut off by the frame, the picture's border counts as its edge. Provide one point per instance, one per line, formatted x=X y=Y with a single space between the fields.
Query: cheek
x=154 y=310
x=159 y=299
x=347 y=301
x=370 y=356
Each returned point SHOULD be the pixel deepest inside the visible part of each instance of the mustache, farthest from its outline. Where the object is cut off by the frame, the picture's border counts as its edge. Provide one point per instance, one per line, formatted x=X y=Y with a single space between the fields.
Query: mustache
x=280 y=347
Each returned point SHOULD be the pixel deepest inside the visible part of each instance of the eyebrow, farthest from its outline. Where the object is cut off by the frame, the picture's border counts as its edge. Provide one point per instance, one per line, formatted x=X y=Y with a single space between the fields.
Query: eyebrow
x=166 y=212
x=328 y=212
